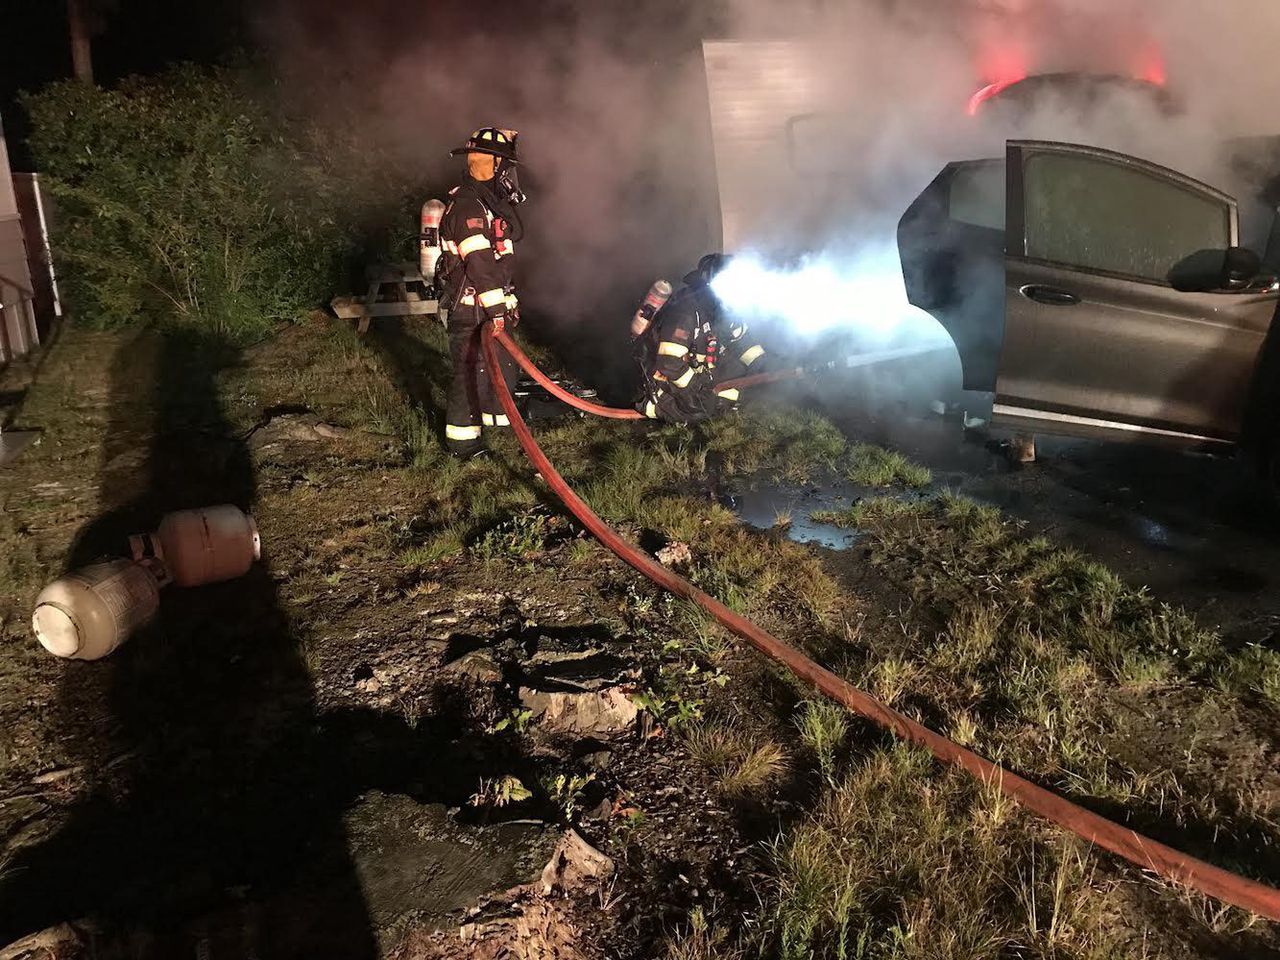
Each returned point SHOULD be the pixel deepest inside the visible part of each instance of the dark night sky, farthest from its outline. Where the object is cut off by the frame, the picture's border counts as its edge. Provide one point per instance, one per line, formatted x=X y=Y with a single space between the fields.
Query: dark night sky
x=135 y=36
x=142 y=36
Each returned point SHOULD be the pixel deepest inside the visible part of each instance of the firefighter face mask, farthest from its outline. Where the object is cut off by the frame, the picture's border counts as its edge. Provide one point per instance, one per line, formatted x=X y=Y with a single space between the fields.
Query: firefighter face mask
x=508 y=185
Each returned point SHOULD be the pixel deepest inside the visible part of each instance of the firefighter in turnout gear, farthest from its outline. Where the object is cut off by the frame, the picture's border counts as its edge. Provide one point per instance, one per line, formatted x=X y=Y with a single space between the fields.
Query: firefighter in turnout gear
x=476 y=277
x=690 y=347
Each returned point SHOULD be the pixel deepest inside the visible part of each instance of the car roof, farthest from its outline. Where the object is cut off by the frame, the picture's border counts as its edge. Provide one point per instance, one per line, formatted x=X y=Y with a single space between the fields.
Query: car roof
x=1082 y=90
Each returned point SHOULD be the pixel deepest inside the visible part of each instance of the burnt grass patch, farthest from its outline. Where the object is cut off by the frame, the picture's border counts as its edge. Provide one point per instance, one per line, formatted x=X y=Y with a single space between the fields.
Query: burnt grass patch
x=368 y=710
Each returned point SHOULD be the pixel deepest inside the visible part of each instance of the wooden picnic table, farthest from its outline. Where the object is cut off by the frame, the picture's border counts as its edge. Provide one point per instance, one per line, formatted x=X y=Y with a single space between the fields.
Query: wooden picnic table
x=395 y=290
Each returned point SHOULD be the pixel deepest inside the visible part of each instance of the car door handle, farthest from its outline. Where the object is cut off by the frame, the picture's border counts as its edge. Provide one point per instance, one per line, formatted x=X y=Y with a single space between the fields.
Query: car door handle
x=1053 y=296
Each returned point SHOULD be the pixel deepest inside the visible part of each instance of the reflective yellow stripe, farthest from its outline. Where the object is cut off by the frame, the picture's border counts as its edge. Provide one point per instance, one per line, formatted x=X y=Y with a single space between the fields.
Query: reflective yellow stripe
x=512 y=301
x=453 y=432
x=730 y=395
x=491 y=298
x=668 y=349
x=752 y=355
x=495 y=420
x=472 y=244
x=651 y=410
x=683 y=380
x=450 y=246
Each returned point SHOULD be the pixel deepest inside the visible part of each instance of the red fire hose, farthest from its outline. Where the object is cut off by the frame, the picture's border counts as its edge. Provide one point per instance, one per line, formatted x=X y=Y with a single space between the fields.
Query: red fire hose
x=553 y=388
x=617 y=413
x=1143 y=851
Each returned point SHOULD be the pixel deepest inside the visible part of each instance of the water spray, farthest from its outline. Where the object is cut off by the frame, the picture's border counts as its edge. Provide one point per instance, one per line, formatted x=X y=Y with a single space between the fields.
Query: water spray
x=861 y=292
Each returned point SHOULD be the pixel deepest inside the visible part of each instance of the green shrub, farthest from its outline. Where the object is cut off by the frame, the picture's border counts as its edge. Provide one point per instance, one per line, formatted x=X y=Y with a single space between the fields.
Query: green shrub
x=191 y=198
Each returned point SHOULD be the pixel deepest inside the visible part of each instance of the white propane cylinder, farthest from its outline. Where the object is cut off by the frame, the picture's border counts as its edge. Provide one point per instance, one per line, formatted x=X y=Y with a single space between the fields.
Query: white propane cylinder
x=86 y=614
x=429 y=240
x=207 y=545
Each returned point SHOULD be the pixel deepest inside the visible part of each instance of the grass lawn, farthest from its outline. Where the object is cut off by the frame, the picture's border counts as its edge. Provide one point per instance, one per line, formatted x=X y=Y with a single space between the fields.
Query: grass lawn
x=847 y=845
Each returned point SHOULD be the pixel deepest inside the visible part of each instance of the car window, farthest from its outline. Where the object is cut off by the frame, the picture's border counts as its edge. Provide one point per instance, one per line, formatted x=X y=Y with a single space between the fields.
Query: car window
x=1096 y=214
x=978 y=194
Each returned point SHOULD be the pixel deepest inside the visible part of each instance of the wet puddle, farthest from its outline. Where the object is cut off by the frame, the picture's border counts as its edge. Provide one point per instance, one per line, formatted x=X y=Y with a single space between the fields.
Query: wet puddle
x=766 y=504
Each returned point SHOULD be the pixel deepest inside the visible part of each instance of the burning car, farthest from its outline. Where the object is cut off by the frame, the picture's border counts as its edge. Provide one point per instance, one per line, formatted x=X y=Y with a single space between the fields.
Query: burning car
x=1099 y=295
x=1071 y=92
x=1093 y=293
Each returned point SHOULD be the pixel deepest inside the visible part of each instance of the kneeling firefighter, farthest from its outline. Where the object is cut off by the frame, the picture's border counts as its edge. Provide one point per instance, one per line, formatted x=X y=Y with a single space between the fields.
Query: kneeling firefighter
x=477 y=280
x=689 y=348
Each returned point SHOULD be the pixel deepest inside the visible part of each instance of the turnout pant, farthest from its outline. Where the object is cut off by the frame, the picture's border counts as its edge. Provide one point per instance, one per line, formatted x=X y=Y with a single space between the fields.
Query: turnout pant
x=670 y=404
x=472 y=403
x=698 y=401
x=738 y=359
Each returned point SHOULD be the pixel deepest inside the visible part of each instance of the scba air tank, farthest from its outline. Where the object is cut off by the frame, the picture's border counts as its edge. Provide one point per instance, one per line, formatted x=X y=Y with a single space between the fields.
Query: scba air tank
x=653 y=301
x=429 y=239
x=87 y=614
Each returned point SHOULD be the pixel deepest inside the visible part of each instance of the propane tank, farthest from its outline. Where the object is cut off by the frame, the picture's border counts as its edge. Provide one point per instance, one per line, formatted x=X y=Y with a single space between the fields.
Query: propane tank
x=208 y=545
x=653 y=301
x=87 y=614
x=429 y=240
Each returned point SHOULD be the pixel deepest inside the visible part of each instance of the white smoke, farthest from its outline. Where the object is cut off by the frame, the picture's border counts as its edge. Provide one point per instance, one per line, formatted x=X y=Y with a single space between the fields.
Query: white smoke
x=884 y=92
x=612 y=104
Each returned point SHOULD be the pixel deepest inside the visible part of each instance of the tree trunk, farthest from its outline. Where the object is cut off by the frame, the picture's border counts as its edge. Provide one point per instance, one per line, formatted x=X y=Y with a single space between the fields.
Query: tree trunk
x=81 y=56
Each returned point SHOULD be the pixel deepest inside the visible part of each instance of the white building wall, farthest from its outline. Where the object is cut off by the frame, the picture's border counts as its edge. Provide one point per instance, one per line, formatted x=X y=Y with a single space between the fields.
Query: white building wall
x=16 y=311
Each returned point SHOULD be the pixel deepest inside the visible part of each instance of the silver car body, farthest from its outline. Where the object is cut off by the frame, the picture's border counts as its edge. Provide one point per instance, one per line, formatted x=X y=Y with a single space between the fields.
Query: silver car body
x=1060 y=302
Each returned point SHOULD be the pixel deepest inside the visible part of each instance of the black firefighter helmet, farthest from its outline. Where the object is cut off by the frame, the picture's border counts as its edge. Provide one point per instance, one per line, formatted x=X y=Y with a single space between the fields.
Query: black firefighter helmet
x=707 y=270
x=490 y=140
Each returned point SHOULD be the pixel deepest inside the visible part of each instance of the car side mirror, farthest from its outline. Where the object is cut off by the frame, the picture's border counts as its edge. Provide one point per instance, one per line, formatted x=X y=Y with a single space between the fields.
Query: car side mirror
x=1240 y=267
x=1209 y=271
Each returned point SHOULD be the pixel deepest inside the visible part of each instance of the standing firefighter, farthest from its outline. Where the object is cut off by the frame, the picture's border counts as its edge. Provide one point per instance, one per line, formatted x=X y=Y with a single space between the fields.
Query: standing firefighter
x=477 y=269
x=690 y=347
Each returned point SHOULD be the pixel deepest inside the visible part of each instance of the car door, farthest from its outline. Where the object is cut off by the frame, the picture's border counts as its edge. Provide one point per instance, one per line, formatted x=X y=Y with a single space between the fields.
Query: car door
x=951 y=245
x=1097 y=342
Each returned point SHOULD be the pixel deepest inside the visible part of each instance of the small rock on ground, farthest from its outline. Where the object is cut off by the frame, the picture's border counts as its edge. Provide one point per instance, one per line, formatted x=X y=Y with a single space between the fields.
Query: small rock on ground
x=575 y=864
x=604 y=713
x=675 y=554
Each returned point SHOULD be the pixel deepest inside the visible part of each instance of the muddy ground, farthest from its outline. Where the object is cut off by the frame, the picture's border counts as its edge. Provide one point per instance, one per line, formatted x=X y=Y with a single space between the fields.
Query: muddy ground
x=287 y=763
x=358 y=750
x=1201 y=531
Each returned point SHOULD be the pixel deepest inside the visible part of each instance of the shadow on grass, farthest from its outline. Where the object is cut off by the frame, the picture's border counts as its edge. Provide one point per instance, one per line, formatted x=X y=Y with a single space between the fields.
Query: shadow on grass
x=208 y=785
x=421 y=371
